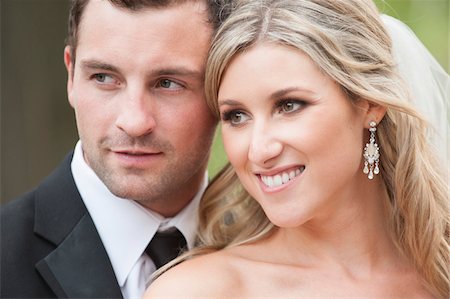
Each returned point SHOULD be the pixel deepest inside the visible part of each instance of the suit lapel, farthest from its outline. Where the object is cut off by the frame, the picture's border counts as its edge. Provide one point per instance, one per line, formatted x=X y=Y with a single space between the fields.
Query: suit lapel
x=79 y=267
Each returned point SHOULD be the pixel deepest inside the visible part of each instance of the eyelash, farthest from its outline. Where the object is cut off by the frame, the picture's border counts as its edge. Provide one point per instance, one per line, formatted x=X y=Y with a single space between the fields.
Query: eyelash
x=279 y=105
x=97 y=76
x=160 y=82
x=226 y=116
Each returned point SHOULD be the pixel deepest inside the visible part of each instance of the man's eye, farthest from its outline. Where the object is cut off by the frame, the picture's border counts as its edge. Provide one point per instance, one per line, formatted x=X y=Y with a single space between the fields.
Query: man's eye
x=103 y=78
x=169 y=84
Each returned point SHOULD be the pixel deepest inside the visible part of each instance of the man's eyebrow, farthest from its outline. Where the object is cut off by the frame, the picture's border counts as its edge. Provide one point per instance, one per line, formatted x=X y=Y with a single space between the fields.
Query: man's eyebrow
x=98 y=65
x=179 y=71
x=170 y=71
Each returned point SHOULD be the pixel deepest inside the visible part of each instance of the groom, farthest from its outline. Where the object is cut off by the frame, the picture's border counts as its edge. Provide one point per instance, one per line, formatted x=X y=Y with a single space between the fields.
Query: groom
x=135 y=81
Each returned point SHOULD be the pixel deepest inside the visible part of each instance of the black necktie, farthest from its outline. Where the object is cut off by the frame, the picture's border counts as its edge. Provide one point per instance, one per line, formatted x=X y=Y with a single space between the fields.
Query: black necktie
x=165 y=246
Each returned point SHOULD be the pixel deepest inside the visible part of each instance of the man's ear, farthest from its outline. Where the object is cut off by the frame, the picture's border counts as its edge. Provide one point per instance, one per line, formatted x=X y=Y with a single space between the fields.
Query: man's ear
x=69 y=68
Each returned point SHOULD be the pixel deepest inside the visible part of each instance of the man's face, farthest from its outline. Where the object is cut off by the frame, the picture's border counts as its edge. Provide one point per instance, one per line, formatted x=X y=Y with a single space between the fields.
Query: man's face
x=137 y=91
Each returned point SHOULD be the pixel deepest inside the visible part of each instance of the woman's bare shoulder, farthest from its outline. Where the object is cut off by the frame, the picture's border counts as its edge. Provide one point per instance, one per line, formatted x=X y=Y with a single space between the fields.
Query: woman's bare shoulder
x=210 y=275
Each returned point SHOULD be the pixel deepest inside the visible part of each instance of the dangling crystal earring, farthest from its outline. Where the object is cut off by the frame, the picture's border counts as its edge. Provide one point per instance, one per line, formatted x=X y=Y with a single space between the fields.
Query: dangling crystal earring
x=371 y=153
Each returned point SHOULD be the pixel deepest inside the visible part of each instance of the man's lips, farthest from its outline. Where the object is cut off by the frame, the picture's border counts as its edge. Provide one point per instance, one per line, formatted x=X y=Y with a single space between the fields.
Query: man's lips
x=134 y=152
x=137 y=158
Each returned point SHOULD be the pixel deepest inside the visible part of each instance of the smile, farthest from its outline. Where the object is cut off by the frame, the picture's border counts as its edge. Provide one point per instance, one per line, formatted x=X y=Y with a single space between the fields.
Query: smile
x=282 y=178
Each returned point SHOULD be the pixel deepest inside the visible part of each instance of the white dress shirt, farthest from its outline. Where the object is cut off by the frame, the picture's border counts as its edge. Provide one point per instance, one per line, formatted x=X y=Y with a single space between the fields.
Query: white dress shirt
x=125 y=227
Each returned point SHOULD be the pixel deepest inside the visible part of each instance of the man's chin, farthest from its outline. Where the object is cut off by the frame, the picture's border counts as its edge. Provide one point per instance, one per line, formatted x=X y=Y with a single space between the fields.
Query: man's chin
x=130 y=194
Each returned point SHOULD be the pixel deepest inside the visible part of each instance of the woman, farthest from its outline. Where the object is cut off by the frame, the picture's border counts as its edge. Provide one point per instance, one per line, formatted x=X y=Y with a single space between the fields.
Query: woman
x=342 y=196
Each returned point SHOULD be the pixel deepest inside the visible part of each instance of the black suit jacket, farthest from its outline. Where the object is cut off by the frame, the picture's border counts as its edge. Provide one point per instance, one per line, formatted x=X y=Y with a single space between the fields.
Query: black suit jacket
x=50 y=246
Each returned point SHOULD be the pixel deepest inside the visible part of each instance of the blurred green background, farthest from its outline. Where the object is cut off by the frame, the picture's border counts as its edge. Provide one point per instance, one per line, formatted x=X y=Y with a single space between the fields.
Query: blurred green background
x=429 y=19
x=37 y=124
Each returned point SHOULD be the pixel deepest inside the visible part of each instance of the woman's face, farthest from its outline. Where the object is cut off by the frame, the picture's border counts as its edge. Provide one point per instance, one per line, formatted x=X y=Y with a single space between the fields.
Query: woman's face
x=292 y=135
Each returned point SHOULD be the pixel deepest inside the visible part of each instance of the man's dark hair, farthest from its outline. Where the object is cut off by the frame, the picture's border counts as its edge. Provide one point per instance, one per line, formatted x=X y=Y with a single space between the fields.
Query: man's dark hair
x=218 y=10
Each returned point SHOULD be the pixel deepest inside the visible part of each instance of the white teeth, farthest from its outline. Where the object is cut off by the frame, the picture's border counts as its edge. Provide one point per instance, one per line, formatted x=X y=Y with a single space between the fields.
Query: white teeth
x=269 y=181
x=285 y=178
x=291 y=174
x=277 y=181
x=282 y=178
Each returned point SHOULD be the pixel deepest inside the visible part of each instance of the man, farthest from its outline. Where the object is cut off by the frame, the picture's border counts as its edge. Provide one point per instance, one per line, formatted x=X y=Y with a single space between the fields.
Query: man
x=135 y=80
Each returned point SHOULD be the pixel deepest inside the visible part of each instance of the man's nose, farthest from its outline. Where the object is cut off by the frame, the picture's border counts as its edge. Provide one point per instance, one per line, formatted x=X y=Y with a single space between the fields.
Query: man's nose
x=137 y=115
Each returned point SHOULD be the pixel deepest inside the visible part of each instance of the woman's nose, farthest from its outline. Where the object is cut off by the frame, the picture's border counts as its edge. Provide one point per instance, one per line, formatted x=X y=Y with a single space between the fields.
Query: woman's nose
x=264 y=145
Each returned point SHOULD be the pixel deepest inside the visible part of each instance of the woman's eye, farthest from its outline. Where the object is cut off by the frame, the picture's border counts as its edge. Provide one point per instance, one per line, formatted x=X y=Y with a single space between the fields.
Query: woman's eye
x=289 y=106
x=168 y=84
x=235 y=117
x=104 y=78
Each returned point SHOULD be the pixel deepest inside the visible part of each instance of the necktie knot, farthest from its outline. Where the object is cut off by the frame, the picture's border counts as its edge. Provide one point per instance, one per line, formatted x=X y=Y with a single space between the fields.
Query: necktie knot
x=165 y=246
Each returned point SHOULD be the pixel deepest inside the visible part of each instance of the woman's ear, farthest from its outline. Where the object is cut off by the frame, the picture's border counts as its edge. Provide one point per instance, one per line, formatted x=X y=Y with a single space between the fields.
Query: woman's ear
x=375 y=112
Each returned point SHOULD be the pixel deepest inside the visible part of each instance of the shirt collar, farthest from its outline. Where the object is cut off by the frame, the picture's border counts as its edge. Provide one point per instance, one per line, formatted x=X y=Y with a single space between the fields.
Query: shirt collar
x=124 y=226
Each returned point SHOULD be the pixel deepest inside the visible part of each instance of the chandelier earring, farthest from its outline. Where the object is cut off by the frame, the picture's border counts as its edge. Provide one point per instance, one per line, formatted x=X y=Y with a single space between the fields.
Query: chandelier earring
x=371 y=153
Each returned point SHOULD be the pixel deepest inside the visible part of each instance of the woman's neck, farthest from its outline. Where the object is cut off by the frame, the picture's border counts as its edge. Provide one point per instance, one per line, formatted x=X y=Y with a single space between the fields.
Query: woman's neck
x=353 y=235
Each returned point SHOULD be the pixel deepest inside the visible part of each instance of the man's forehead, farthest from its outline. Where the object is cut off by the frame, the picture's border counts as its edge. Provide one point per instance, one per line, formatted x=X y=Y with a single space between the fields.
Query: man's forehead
x=192 y=9
x=146 y=41
x=101 y=15
x=140 y=6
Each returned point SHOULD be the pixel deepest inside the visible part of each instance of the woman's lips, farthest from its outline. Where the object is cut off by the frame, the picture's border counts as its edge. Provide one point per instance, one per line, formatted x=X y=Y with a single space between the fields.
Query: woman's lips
x=281 y=178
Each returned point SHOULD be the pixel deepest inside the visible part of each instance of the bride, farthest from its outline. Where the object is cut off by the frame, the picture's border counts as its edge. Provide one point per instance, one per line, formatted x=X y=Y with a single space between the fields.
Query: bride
x=334 y=188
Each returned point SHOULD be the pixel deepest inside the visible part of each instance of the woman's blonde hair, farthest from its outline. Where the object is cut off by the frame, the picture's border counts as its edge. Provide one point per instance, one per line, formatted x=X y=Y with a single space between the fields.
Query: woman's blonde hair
x=347 y=41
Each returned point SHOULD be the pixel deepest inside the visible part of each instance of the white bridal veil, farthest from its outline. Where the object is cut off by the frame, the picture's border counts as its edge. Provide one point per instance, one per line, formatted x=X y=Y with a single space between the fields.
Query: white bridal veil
x=428 y=82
